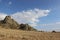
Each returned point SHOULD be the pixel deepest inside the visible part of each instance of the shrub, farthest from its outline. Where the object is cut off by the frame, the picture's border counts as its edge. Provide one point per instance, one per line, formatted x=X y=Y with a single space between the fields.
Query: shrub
x=53 y=31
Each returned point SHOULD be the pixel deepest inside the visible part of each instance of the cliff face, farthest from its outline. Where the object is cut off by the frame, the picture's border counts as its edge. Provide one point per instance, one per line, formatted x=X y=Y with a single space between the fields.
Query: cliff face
x=8 y=22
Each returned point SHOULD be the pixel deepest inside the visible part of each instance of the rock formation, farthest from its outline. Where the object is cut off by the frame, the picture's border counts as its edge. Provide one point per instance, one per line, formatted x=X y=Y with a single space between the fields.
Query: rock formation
x=8 y=22
x=26 y=27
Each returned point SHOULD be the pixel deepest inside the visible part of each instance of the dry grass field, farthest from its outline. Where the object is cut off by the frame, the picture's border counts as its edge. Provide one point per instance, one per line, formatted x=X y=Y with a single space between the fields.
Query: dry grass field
x=12 y=34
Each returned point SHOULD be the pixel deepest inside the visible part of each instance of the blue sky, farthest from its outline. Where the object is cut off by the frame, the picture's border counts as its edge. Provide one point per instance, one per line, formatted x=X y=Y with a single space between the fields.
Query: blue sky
x=23 y=7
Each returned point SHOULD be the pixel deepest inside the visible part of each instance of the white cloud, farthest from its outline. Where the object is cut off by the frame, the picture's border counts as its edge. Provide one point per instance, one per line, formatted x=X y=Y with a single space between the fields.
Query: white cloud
x=30 y=16
x=2 y=16
x=10 y=3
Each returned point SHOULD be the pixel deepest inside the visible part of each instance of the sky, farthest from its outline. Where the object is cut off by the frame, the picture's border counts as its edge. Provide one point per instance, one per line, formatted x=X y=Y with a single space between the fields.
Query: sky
x=40 y=14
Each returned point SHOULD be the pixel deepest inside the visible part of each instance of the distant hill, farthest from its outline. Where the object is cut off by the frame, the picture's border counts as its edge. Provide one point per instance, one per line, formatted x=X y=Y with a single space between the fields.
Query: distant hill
x=8 y=22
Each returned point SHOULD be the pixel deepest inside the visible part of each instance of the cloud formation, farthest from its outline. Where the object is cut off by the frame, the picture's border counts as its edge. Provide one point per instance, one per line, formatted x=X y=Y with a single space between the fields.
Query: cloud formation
x=2 y=16
x=10 y=3
x=30 y=16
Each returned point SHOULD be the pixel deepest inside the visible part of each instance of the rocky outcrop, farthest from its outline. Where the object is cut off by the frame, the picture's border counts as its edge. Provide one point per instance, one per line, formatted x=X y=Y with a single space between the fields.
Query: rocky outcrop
x=26 y=27
x=8 y=22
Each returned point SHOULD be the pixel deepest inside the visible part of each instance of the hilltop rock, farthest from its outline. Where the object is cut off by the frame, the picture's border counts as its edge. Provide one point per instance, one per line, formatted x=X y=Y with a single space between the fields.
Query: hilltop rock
x=8 y=22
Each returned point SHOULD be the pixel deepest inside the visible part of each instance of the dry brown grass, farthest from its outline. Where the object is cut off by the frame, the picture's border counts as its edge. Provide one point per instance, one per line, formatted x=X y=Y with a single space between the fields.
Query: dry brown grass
x=10 y=34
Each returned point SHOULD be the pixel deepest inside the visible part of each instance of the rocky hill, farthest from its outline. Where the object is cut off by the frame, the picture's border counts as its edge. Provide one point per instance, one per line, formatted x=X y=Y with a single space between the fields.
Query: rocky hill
x=8 y=22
